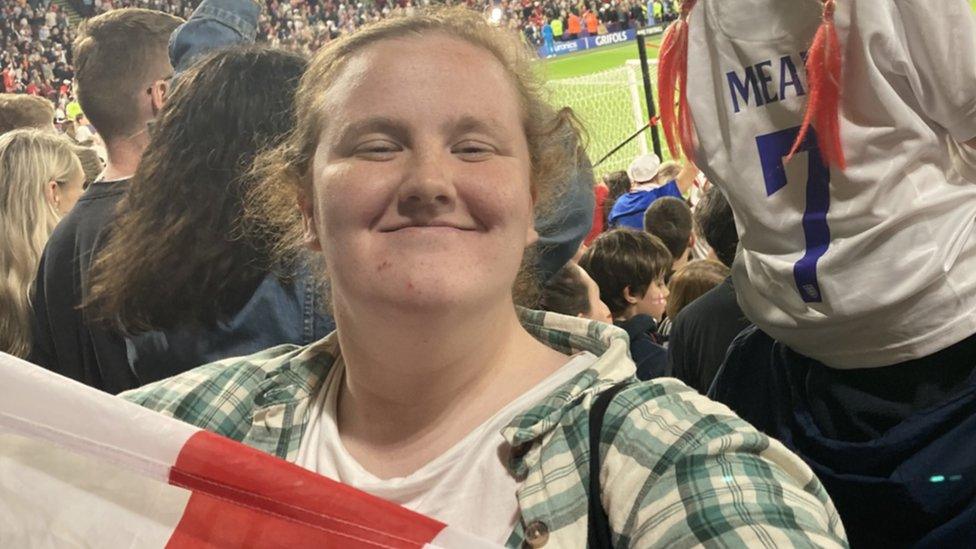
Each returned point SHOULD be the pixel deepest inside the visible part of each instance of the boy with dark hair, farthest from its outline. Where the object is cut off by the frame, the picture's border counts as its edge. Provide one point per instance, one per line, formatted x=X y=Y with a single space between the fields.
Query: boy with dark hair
x=572 y=292
x=669 y=219
x=629 y=267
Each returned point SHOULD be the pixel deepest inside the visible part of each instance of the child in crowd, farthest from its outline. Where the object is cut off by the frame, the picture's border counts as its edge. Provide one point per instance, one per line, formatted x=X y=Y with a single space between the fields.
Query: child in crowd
x=669 y=219
x=572 y=292
x=629 y=267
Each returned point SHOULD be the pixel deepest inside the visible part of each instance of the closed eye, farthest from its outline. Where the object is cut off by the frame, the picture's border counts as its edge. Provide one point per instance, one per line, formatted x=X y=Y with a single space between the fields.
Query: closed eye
x=473 y=151
x=377 y=149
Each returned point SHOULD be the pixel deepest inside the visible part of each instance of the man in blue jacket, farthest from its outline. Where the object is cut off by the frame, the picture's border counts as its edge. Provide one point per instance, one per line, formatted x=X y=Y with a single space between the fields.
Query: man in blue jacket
x=648 y=182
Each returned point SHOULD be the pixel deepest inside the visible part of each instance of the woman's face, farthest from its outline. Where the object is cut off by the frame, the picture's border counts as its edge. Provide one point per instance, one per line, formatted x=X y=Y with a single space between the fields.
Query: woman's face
x=421 y=194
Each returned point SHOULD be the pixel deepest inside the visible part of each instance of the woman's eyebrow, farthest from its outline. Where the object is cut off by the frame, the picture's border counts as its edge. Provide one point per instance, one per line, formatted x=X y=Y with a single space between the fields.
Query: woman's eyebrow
x=469 y=123
x=374 y=124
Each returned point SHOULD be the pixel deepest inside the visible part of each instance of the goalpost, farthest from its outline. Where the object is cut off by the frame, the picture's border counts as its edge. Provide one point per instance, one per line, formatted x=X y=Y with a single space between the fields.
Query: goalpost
x=611 y=107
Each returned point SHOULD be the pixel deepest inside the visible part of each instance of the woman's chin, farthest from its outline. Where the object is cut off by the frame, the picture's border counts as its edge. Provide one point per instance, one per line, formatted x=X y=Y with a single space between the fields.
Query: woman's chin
x=430 y=294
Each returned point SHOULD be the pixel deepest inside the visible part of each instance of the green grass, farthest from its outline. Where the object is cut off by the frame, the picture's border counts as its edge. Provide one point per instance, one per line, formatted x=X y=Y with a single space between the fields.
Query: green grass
x=608 y=119
x=601 y=59
x=604 y=130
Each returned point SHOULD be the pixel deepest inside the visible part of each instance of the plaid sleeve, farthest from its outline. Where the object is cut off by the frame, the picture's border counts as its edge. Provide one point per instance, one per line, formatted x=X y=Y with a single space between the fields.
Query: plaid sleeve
x=682 y=470
x=218 y=397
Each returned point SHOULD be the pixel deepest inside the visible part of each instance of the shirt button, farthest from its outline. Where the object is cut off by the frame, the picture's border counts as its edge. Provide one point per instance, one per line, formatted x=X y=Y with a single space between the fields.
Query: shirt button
x=537 y=534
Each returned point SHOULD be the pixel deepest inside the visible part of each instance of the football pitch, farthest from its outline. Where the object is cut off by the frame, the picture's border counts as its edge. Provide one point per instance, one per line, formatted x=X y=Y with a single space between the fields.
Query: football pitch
x=596 y=84
x=608 y=97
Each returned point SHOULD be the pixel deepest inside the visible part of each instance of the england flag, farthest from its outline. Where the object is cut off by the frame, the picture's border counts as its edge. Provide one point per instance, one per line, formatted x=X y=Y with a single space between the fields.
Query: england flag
x=81 y=468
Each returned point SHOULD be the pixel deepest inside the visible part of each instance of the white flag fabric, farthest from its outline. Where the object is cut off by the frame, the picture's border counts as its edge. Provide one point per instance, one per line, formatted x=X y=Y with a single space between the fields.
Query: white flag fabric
x=81 y=468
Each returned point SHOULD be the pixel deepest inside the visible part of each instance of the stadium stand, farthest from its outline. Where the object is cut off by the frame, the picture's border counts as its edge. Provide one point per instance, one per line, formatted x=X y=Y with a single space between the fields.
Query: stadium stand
x=36 y=35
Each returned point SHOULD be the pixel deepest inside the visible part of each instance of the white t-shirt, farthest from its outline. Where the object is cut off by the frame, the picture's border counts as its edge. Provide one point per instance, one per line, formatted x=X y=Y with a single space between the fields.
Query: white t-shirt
x=467 y=487
x=877 y=264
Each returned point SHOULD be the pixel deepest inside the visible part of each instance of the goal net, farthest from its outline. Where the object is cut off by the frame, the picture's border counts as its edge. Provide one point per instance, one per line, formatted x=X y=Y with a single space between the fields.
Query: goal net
x=610 y=104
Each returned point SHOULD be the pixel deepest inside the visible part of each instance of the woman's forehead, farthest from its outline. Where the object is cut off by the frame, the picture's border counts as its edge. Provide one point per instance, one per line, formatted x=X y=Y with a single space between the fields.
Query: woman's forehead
x=403 y=55
x=435 y=72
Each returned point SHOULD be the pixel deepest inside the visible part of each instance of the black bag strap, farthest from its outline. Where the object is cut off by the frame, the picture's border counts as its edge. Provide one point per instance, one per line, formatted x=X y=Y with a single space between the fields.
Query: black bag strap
x=598 y=529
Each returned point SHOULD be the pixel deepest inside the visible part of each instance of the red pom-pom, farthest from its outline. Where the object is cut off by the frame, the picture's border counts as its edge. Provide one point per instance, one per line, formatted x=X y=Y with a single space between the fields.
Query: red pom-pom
x=672 y=78
x=823 y=106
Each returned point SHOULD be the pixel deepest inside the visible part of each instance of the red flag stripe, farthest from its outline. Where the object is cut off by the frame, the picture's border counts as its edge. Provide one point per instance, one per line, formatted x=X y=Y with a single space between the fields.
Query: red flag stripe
x=245 y=498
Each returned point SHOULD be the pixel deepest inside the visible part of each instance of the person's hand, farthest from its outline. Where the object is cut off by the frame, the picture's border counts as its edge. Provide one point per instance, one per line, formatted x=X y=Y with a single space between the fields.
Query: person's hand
x=686 y=178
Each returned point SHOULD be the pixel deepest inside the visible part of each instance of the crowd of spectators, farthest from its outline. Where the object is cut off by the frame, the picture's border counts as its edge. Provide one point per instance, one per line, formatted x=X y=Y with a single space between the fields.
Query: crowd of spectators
x=36 y=35
x=35 y=49
x=244 y=184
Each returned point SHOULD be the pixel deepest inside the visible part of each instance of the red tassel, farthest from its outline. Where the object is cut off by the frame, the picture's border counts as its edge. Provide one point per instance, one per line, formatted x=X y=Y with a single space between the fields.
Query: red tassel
x=823 y=106
x=673 y=77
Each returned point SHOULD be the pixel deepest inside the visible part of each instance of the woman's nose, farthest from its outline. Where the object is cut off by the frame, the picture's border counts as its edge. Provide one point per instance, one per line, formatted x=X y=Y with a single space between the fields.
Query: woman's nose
x=428 y=186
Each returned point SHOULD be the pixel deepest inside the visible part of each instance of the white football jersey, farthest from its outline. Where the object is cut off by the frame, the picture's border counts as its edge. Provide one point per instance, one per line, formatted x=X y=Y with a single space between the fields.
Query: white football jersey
x=874 y=265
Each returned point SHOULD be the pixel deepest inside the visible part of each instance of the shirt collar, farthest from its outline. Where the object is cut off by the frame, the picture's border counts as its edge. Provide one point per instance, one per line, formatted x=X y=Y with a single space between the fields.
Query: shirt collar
x=571 y=335
x=300 y=376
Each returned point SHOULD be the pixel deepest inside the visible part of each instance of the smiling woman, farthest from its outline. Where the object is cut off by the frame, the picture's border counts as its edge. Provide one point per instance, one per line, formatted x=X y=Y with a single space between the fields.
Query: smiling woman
x=421 y=152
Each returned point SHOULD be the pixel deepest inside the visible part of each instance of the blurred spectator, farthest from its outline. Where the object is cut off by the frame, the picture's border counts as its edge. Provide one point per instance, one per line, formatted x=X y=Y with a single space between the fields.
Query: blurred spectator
x=669 y=219
x=40 y=182
x=702 y=332
x=573 y=25
x=25 y=111
x=618 y=185
x=629 y=267
x=600 y=193
x=123 y=78
x=91 y=163
x=572 y=292
x=174 y=261
x=649 y=180
x=691 y=281
x=29 y=111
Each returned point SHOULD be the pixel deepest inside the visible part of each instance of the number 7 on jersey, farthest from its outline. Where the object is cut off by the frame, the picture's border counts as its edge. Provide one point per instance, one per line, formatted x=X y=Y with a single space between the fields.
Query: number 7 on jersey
x=773 y=148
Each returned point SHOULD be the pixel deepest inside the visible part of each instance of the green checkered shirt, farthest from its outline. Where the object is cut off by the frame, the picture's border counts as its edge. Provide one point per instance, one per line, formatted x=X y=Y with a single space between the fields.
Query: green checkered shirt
x=678 y=469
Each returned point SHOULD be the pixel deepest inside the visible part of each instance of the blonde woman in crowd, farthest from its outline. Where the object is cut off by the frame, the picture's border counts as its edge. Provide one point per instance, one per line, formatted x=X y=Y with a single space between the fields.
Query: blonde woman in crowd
x=421 y=152
x=40 y=181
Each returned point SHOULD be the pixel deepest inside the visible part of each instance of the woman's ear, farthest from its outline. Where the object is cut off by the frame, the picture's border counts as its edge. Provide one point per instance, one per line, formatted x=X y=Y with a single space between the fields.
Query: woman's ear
x=311 y=236
x=53 y=194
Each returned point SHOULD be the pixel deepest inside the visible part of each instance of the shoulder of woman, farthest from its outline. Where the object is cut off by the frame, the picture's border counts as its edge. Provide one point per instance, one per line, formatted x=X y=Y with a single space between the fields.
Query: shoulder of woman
x=677 y=458
x=216 y=392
